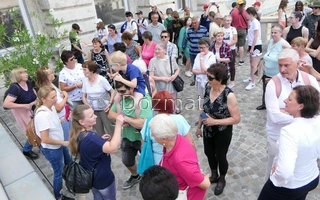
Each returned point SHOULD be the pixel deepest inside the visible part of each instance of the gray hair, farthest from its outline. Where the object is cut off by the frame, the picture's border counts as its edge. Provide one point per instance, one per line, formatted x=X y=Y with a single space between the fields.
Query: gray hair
x=162 y=45
x=141 y=65
x=163 y=126
x=289 y=53
x=280 y=27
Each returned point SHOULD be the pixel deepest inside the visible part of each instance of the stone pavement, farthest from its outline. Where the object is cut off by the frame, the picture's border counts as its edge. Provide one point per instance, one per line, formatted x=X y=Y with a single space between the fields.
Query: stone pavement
x=247 y=152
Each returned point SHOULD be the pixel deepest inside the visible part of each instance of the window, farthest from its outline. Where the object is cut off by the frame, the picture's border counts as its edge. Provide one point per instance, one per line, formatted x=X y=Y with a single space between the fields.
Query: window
x=110 y=11
x=6 y=19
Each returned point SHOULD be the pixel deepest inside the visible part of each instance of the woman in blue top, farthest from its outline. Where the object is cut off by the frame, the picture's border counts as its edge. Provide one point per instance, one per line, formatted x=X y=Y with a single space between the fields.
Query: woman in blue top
x=112 y=38
x=95 y=150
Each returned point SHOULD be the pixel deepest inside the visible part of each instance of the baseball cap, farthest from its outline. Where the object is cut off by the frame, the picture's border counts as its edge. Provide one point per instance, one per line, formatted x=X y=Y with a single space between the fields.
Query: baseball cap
x=257 y=3
x=98 y=21
x=239 y=2
x=139 y=12
x=205 y=6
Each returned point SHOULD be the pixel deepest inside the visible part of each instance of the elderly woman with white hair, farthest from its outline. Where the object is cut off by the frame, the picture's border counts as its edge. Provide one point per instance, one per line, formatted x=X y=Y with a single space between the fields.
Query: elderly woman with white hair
x=179 y=157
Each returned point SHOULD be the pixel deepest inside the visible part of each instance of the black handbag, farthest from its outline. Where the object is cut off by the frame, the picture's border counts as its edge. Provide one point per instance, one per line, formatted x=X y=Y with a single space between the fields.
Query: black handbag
x=177 y=83
x=77 y=178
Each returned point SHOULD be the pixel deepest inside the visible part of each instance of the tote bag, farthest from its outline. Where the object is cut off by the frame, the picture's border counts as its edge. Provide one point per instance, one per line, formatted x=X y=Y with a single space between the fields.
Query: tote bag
x=146 y=157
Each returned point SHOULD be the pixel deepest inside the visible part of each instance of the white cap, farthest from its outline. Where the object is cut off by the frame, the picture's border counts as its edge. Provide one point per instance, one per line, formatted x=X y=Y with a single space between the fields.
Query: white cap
x=98 y=21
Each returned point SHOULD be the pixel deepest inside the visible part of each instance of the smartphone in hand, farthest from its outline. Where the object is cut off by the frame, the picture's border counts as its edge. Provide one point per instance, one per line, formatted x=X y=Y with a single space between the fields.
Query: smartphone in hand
x=203 y=115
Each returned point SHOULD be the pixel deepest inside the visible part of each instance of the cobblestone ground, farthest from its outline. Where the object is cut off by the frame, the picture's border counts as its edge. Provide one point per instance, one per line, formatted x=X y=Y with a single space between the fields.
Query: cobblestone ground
x=247 y=152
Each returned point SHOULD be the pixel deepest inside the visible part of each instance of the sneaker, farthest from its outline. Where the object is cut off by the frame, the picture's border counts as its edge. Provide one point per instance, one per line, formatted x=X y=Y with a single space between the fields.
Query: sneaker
x=188 y=73
x=250 y=86
x=192 y=83
x=129 y=183
x=248 y=80
x=241 y=62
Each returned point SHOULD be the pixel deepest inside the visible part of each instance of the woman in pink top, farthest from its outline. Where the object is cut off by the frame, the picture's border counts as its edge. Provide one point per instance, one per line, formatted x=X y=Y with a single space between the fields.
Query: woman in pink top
x=179 y=157
x=147 y=47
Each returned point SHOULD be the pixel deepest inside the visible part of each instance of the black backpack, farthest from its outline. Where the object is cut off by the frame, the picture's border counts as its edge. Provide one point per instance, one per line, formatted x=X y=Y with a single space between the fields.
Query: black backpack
x=169 y=25
x=140 y=40
x=7 y=91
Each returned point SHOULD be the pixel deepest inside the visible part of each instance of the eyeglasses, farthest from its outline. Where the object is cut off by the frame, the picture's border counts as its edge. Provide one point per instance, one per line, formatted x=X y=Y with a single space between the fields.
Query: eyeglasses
x=164 y=36
x=122 y=91
x=112 y=27
x=210 y=78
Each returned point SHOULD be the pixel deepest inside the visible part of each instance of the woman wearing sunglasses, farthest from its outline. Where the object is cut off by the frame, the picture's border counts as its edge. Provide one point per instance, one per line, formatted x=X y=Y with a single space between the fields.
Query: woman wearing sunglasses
x=70 y=78
x=220 y=113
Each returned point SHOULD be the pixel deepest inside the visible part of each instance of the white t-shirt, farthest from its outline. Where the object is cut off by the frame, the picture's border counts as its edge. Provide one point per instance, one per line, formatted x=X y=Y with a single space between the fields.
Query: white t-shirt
x=254 y=25
x=62 y=113
x=144 y=22
x=208 y=60
x=72 y=77
x=97 y=94
x=131 y=26
x=48 y=119
x=228 y=35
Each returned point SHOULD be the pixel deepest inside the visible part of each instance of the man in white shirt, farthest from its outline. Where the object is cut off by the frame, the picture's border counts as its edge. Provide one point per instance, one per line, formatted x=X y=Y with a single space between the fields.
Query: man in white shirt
x=142 y=22
x=172 y=49
x=131 y=26
x=213 y=24
x=278 y=89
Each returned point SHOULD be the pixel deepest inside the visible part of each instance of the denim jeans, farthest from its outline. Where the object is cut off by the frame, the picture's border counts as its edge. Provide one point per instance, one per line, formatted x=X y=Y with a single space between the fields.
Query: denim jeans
x=108 y=193
x=57 y=158
x=66 y=130
x=27 y=147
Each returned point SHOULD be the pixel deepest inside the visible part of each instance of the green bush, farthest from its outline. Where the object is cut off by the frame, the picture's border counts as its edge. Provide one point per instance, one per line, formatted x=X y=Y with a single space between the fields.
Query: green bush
x=27 y=51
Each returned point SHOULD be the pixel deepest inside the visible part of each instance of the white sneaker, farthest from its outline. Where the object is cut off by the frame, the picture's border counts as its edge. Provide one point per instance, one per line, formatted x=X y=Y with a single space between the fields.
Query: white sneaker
x=250 y=86
x=248 y=80
x=188 y=73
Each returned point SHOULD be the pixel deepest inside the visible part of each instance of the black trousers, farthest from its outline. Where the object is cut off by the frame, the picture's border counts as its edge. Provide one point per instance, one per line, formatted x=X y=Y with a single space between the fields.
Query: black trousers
x=271 y=192
x=216 y=149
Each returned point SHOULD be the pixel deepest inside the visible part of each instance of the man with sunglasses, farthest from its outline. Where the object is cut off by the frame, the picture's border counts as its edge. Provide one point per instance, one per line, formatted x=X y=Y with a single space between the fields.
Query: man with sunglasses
x=172 y=49
x=131 y=136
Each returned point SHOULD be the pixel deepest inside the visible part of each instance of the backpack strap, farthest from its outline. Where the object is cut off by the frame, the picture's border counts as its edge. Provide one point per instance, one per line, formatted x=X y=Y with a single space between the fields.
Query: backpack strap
x=278 y=85
x=305 y=78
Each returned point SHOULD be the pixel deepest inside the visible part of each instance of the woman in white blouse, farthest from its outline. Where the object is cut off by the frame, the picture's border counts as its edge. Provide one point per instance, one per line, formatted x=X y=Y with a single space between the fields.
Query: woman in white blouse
x=295 y=170
x=99 y=95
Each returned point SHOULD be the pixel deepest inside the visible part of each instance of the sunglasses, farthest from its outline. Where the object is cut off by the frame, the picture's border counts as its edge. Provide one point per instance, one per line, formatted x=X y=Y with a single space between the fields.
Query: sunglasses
x=210 y=78
x=122 y=91
x=163 y=36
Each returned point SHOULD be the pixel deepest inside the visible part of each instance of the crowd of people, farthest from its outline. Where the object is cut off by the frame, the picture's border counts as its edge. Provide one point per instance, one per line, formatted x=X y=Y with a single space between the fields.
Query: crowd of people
x=125 y=91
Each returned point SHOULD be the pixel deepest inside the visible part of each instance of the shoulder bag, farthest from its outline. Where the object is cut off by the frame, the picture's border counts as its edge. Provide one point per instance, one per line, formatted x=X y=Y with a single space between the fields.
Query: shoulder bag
x=146 y=159
x=177 y=83
x=77 y=178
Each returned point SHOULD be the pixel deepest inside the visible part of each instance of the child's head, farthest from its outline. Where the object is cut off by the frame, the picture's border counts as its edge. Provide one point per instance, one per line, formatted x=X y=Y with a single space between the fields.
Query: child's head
x=117 y=59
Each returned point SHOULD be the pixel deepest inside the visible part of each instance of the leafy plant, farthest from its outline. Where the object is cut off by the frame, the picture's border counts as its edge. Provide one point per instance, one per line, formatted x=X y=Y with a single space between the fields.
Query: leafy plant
x=27 y=51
